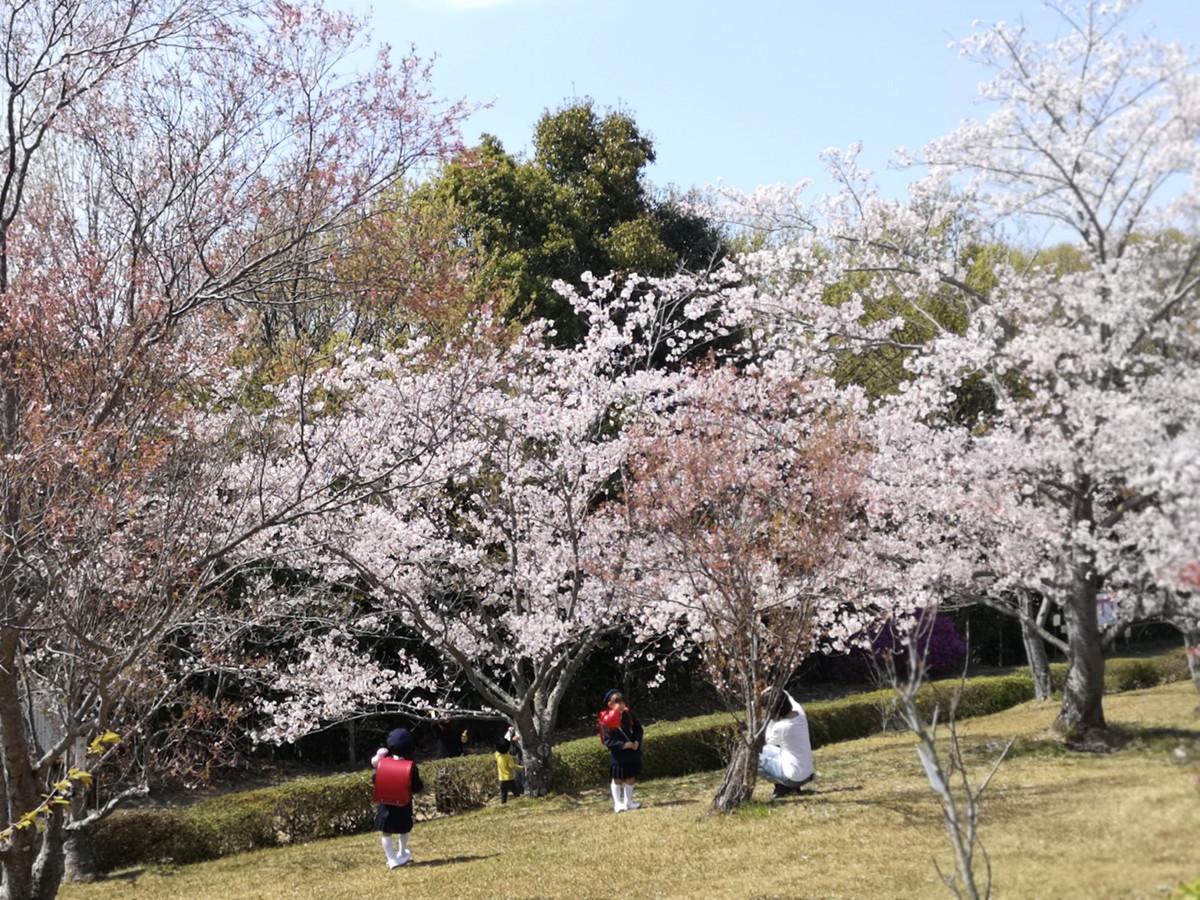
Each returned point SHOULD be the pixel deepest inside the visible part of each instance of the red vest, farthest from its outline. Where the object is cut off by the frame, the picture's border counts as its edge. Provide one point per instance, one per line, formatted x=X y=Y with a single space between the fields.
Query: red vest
x=393 y=781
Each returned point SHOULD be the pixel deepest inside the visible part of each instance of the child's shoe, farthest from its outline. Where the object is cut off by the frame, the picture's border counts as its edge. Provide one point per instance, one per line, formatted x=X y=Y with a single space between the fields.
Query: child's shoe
x=781 y=792
x=402 y=859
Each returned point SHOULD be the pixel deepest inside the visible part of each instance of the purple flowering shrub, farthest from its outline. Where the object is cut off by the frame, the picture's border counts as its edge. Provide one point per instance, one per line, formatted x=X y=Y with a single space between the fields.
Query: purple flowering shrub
x=944 y=649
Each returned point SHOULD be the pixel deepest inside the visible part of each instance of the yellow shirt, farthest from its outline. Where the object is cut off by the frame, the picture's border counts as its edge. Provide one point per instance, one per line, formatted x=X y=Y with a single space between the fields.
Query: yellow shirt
x=506 y=766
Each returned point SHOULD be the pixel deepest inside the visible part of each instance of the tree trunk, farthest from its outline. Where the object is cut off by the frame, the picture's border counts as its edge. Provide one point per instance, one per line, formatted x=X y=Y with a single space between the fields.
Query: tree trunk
x=536 y=757
x=1082 y=709
x=1039 y=662
x=1191 y=646
x=49 y=867
x=78 y=862
x=537 y=769
x=80 y=856
x=738 y=784
x=21 y=783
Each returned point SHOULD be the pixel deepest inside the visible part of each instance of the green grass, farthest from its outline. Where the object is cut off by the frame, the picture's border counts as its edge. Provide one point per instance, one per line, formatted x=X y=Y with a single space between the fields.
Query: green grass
x=315 y=808
x=1056 y=824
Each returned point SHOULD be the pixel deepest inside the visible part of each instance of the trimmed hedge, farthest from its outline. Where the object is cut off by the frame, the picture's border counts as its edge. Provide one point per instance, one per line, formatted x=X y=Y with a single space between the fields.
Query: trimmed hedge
x=312 y=808
x=699 y=744
x=672 y=748
x=305 y=809
x=1136 y=673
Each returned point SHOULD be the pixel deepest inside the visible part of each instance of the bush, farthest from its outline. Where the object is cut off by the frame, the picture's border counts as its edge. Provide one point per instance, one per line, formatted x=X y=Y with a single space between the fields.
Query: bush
x=139 y=835
x=305 y=809
x=943 y=650
x=302 y=810
x=456 y=785
x=672 y=748
x=312 y=808
x=700 y=744
x=1134 y=674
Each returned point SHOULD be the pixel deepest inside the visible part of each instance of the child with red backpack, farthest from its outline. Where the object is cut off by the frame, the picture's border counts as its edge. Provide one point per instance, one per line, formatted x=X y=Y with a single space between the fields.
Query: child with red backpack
x=621 y=733
x=396 y=780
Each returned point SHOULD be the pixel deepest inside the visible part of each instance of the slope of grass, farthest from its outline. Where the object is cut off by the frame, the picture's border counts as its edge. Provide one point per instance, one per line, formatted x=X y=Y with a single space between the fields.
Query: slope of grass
x=1056 y=825
x=314 y=808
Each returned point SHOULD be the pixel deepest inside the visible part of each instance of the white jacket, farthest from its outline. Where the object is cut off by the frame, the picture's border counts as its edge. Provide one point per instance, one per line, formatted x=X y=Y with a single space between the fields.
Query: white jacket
x=795 y=746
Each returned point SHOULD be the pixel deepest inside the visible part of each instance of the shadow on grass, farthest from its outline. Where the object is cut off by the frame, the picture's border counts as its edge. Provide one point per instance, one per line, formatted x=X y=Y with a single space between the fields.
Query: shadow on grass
x=912 y=807
x=821 y=792
x=445 y=861
x=1122 y=738
x=1154 y=738
x=815 y=795
x=573 y=800
x=754 y=809
x=129 y=876
x=917 y=805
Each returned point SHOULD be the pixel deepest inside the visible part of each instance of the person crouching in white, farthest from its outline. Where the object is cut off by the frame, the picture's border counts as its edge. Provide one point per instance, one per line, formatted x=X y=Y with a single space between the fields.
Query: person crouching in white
x=786 y=759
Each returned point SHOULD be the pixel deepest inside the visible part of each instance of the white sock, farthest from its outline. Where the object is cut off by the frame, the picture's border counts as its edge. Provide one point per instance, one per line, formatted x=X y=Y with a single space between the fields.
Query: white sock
x=618 y=795
x=403 y=844
x=388 y=850
x=629 y=804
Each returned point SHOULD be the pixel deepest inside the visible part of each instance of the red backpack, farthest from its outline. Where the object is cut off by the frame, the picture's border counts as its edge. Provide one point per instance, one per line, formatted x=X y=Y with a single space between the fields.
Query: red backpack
x=393 y=781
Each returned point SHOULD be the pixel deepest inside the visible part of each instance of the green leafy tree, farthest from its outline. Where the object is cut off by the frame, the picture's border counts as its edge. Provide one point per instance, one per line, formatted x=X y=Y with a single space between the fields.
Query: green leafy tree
x=580 y=204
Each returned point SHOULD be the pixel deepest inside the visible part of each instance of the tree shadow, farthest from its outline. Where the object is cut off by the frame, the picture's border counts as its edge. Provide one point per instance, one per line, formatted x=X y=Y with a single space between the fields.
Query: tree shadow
x=819 y=792
x=1128 y=736
x=1139 y=732
x=446 y=861
x=913 y=812
x=816 y=793
x=129 y=876
x=573 y=799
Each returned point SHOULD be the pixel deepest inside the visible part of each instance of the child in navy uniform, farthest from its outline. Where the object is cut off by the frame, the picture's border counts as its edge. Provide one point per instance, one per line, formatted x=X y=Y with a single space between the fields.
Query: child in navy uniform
x=621 y=733
x=396 y=780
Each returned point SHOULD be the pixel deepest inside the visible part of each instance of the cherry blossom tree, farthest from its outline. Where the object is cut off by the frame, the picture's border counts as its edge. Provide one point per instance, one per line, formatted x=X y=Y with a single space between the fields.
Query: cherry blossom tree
x=741 y=498
x=1189 y=622
x=1094 y=368
x=492 y=551
x=395 y=426
x=162 y=162
x=1173 y=523
x=1084 y=372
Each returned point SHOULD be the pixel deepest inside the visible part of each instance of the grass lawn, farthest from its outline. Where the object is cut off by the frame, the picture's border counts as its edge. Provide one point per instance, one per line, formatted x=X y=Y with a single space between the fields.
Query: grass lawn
x=1056 y=824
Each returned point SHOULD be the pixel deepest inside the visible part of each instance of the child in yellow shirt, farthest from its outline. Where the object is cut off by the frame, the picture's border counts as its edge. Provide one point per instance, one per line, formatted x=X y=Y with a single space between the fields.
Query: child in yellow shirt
x=506 y=769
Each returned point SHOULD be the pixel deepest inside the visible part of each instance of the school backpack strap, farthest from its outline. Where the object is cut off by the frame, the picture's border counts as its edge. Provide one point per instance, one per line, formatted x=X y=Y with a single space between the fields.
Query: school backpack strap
x=393 y=781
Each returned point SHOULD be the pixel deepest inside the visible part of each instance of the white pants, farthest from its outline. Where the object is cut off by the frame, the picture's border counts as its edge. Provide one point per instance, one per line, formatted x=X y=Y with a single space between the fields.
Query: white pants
x=770 y=767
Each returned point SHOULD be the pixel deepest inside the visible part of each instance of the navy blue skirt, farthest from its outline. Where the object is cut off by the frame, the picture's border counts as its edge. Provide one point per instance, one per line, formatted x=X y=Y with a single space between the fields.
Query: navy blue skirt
x=630 y=768
x=394 y=819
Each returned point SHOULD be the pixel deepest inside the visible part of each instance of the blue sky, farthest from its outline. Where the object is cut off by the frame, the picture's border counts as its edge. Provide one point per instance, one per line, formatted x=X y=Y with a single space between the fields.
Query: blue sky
x=745 y=92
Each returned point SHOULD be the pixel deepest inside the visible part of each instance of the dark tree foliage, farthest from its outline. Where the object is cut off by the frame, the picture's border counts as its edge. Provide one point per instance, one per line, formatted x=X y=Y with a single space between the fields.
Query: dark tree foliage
x=580 y=204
